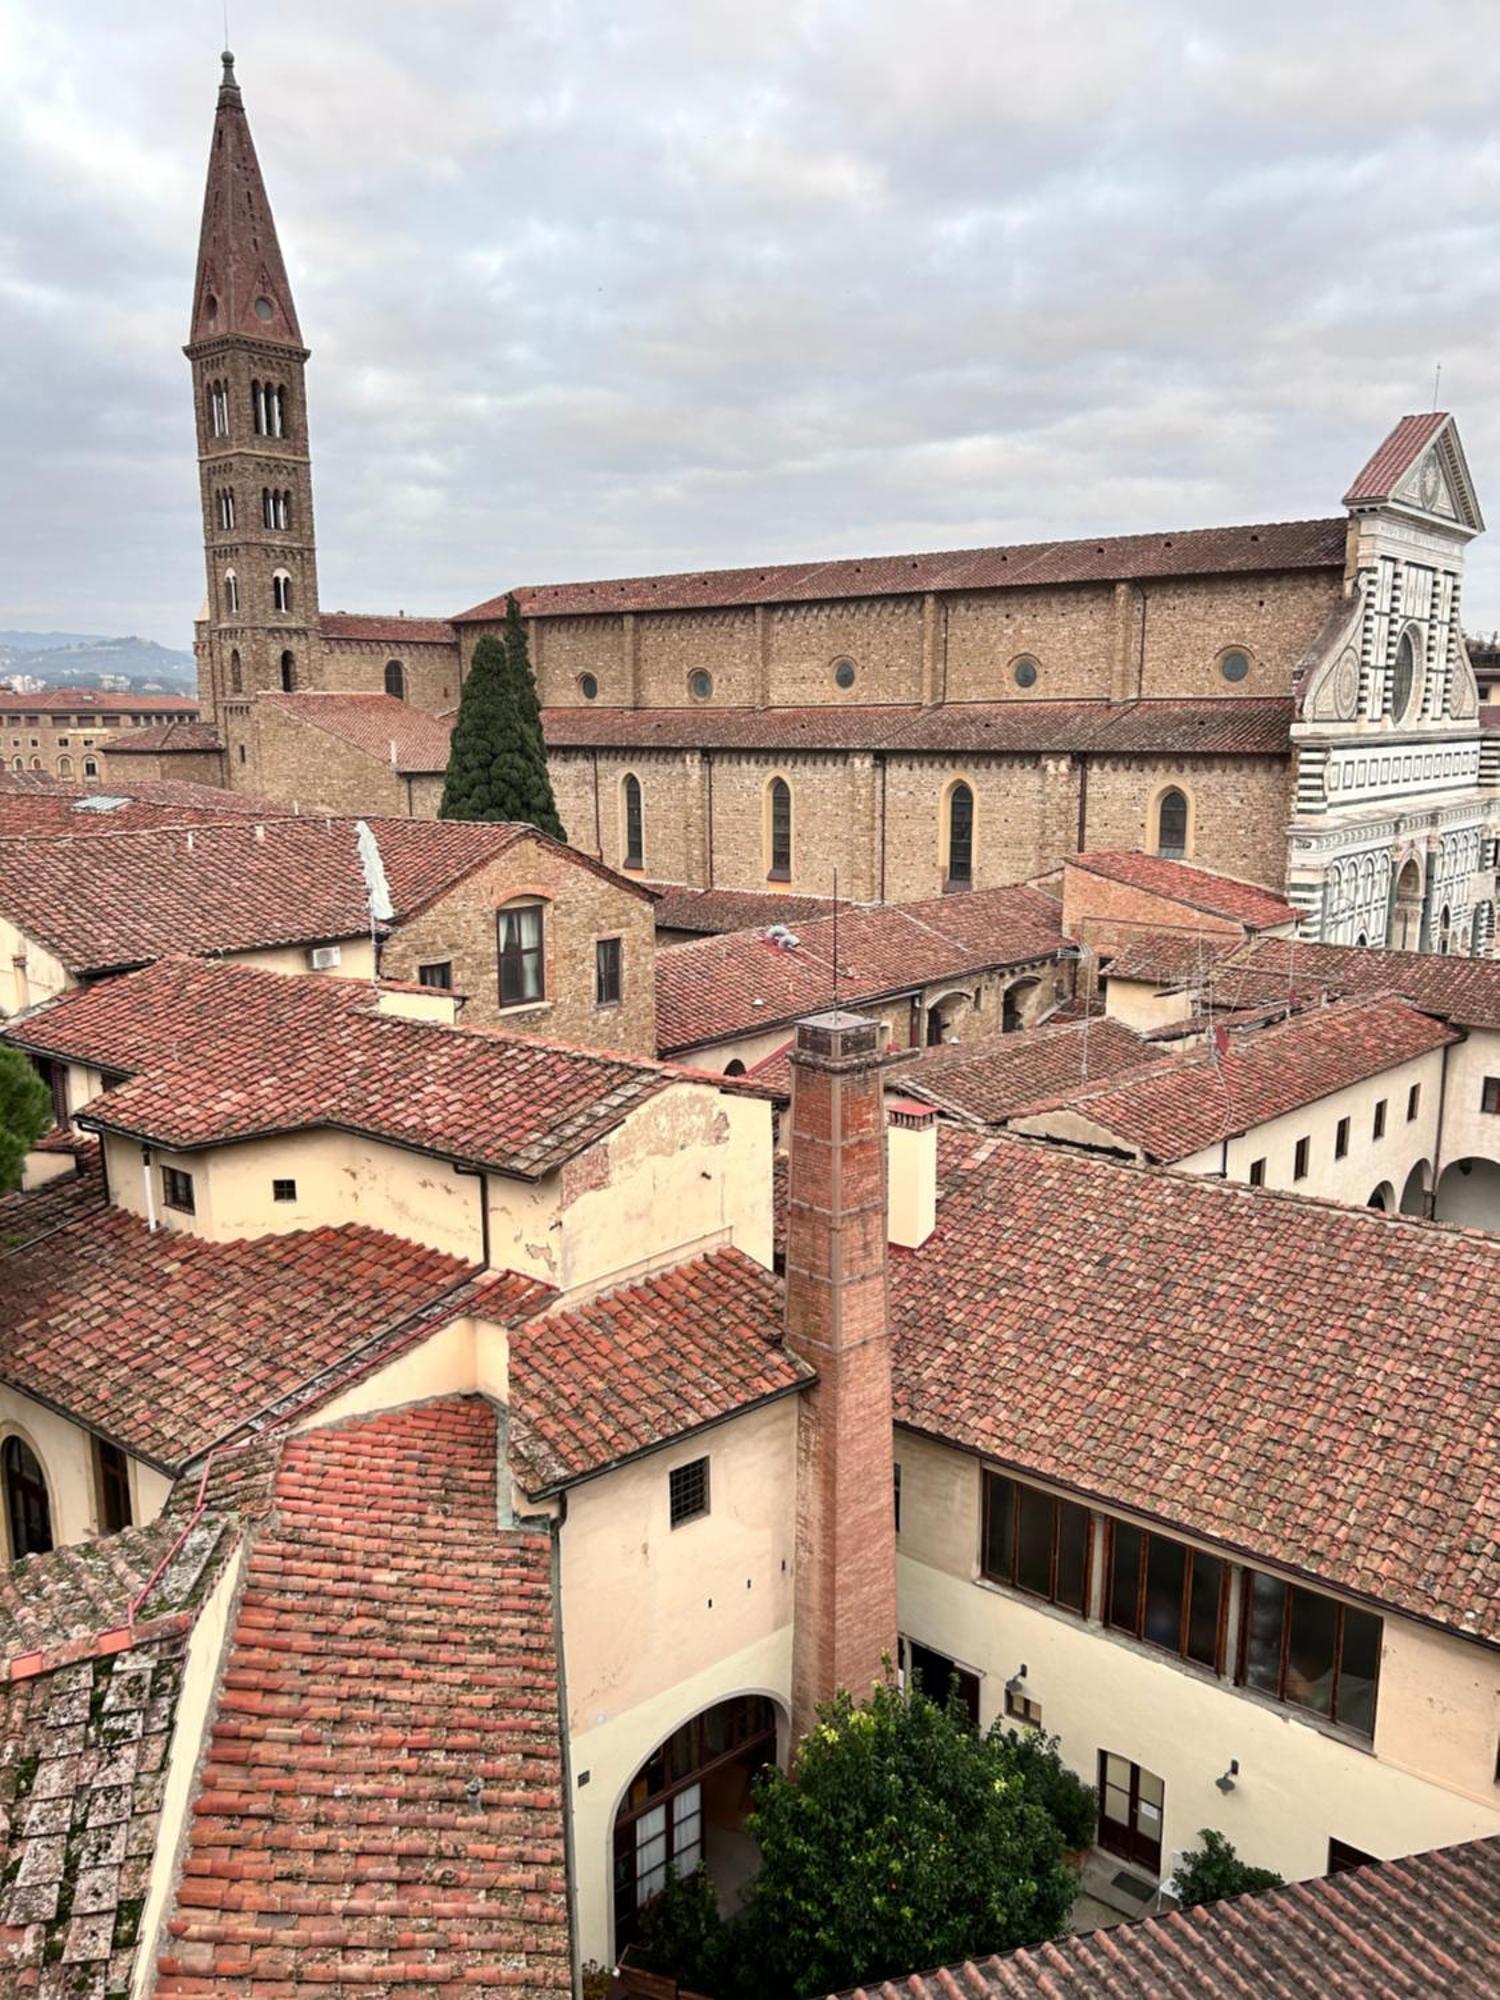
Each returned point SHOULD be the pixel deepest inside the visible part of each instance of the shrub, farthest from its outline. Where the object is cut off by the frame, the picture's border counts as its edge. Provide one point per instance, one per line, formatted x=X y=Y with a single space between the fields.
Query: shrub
x=1213 y=1870
x=1074 y=1806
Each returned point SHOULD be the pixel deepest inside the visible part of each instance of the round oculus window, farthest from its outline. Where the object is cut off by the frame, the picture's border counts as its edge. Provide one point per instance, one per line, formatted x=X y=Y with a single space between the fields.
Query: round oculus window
x=588 y=687
x=701 y=685
x=264 y=309
x=1235 y=666
x=1025 y=672
x=843 y=673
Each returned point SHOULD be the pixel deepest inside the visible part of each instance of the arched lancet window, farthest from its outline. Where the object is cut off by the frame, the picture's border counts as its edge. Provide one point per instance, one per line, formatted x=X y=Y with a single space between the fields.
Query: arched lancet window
x=395 y=679
x=231 y=593
x=218 y=409
x=635 y=832
x=278 y=412
x=781 y=830
x=258 y=408
x=225 y=500
x=281 y=590
x=288 y=673
x=1172 y=824
x=27 y=1506
x=90 y=767
x=284 y=510
x=236 y=673
x=960 y=869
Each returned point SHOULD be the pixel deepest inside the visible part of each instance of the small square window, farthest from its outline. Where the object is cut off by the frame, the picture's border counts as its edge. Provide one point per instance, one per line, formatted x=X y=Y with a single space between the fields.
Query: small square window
x=1377 y=1129
x=1023 y=1708
x=1341 y=1140
x=1413 y=1101
x=1299 y=1161
x=688 y=1491
x=438 y=974
x=177 y=1189
x=283 y=1190
x=1257 y=1173
x=608 y=982
x=1489 y=1096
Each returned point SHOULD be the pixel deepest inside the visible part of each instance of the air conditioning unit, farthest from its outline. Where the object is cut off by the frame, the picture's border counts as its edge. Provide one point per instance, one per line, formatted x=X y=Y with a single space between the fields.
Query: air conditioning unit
x=324 y=957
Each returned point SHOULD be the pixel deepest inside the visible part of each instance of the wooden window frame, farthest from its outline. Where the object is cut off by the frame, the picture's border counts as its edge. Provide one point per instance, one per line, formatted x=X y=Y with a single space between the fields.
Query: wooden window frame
x=1258 y=1172
x=112 y=1487
x=522 y=955
x=175 y=1182
x=1185 y=1608
x=1489 y=1097
x=1413 y=1102
x=609 y=951
x=283 y=1188
x=1291 y=1591
x=1009 y=1579
x=432 y=965
x=1377 y=1122
x=1341 y=1140
x=1301 y=1155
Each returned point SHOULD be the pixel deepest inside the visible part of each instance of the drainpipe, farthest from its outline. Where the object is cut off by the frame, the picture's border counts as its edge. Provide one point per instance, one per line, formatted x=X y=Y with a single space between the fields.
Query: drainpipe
x=559 y=1650
x=150 y=1191
x=478 y=1174
x=1437 y=1137
x=1083 y=803
x=710 y=760
x=880 y=757
x=598 y=824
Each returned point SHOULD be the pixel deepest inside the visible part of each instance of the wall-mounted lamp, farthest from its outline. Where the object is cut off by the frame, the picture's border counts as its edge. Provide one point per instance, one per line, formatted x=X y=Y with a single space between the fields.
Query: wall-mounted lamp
x=1014 y=1684
x=1226 y=1783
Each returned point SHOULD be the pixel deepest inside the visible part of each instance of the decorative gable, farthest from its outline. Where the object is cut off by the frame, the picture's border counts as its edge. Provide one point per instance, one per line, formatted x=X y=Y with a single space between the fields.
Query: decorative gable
x=1421 y=469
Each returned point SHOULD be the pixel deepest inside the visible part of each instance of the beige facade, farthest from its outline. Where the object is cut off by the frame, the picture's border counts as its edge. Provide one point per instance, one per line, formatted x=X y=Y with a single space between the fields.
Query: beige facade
x=66 y=1453
x=1427 y=1778
x=67 y=733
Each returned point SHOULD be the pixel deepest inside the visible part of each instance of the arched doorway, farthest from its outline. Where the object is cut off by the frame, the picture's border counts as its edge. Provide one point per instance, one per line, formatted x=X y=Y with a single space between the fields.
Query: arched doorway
x=27 y=1507
x=688 y=1803
x=1406 y=908
x=1414 y=1194
x=1017 y=1005
x=1384 y=1198
x=1468 y=1193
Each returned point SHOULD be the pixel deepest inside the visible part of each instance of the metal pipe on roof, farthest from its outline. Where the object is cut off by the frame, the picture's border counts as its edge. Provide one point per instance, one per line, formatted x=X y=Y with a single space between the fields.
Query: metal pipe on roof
x=146 y=1182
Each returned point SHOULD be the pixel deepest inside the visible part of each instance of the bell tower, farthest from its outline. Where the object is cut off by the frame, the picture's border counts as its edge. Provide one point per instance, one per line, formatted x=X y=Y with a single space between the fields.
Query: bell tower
x=260 y=631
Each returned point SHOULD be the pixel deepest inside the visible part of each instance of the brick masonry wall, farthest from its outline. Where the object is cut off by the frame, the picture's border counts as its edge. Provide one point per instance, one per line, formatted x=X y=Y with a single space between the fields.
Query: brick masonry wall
x=1104 y=914
x=290 y=759
x=1238 y=809
x=198 y=767
x=1190 y=623
x=358 y=666
x=1071 y=634
x=671 y=646
x=582 y=907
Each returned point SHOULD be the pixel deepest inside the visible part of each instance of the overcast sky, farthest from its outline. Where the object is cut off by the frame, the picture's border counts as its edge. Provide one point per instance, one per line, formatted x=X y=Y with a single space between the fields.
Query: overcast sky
x=625 y=285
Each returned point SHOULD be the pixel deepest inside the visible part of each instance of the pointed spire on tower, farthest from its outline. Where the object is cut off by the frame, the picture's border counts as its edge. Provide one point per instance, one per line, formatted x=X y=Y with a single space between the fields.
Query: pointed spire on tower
x=242 y=284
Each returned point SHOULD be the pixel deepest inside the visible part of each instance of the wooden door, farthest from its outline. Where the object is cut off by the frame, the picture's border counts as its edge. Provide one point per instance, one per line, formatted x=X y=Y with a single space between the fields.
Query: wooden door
x=1132 y=1802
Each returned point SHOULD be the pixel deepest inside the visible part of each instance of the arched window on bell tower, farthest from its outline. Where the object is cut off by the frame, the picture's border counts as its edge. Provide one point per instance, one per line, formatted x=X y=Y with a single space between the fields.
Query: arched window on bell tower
x=231 y=594
x=236 y=673
x=289 y=673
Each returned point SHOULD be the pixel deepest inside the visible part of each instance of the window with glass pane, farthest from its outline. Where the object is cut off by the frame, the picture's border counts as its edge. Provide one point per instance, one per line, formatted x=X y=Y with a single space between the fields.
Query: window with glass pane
x=1312 y=1652
x=1262 y=1641
x=521 y=972
x=607 y=974
x=781 y=829
x=960 y=834
x=634 y=826
x=1171 y=825
x=1036 y=1542
x=1165 y=1593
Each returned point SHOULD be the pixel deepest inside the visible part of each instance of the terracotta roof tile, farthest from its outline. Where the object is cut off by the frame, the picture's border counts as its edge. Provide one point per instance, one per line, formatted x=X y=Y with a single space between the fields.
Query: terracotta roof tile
x=166 y=1342
x=166 y=739
x=990 y=1080
x=1342 y=1427
x=714 y=911
x=83 y=701
x=381 y=1799
x=1271 y=545
x=1218 y=726
x=1424 y=1926
x=1170 y=957
x=392 y=731
x=27 y=1217
x=1379 y=477
x=1464 y=990
x=394 y=631
x=1199 y=888
x=596 y=1383
x=33 y=802
x=716 y=988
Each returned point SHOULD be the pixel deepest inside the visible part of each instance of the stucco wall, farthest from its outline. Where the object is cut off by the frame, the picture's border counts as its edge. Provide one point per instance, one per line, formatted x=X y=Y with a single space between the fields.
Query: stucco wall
x=65 y=1451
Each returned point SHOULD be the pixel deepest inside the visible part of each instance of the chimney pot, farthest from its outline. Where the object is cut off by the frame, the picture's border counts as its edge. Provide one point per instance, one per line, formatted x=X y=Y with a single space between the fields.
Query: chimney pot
x=911 y=1154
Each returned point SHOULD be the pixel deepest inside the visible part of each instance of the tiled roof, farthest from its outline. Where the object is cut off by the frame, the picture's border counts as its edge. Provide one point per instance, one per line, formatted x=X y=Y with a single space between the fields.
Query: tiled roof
x=1379 y=477
x=395 y=631
x=26 y=1217
x=1171 y=1109
x=83 y=700
x=1218 y=726
x=1273 y=545
x=381 y=1801
x=993 y=1079
x=716 y=988
x=392 y=731
x=167 y=1342
x=1199 y=888
x=714 y=911
x=165 y=739
x=596 y=1383
x=1170 y=957
x=233 y=884
x=1465 y=990
x=218 y=1052
x=1308 y=1384
x=1423 y=1928
x=33 y=802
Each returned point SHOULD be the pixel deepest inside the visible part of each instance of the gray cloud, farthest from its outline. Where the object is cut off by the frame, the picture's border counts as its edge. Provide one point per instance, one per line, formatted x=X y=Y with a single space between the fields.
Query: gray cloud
x=594 y=288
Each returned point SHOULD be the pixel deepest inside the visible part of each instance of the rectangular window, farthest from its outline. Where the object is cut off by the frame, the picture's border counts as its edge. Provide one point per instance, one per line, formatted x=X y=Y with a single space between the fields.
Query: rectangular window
x=781 y=831
x=1299 y=1161
x=177 y=1189
x=1022 y=1708
x=112 y=1476
x=522 y=976
x=1165 y=1593
x=1377 y=1128
x=283 y=1190
x=439 y=974
x=1341 y=1140
x=1257 y=1173
x=897 y=1494
x=608 y=982
x=1035 y=1542
x=1413 y=1101
x=1310 y=1652
x=1489 y=1096
x=688 y=1491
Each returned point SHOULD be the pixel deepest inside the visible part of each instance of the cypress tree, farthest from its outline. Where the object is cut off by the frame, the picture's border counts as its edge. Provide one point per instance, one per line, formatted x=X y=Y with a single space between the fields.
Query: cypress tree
x=497 y=766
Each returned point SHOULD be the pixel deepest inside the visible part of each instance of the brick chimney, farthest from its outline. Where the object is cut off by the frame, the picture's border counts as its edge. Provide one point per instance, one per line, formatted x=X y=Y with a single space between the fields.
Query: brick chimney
x=837 y=1318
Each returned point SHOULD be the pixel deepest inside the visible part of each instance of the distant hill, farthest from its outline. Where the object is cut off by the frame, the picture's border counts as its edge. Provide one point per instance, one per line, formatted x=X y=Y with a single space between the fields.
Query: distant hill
x=79 y=659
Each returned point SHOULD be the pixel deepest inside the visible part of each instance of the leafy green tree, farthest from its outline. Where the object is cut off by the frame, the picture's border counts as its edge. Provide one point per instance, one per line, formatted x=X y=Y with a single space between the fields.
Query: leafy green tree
x=902 y=1839
x=497 y=766
x=1206 y=1873
x=1073 y=1805
x=25 y=1114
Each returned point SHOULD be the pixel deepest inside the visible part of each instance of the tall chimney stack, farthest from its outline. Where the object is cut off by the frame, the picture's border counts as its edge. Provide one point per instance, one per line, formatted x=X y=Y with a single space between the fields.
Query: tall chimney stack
x=837 y=1318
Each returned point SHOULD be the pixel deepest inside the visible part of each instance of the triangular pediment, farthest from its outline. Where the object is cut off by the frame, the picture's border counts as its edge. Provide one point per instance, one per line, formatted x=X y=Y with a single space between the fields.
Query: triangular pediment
x=1420 y=469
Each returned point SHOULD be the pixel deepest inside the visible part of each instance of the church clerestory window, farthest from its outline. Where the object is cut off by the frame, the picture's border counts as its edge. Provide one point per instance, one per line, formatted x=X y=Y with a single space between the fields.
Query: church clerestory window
x=395 y=679
x=1171 y=825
